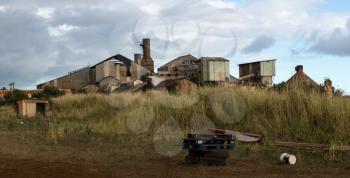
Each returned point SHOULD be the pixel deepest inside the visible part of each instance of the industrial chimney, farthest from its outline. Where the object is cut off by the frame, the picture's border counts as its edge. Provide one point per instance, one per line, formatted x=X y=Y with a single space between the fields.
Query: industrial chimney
x=299 y=68
x=137 y=58
x=147 y=60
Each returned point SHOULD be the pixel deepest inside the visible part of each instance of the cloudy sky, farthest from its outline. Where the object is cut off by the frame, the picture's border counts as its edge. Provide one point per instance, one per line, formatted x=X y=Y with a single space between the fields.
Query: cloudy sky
x=44 y=39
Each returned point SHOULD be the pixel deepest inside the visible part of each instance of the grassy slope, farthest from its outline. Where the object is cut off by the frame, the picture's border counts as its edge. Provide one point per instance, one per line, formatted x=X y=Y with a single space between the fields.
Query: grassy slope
x=293 y=116
x=125 y=118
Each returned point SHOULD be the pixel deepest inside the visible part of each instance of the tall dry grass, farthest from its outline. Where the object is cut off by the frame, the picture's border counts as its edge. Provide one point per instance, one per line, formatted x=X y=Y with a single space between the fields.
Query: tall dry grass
x=291 y=116
x=7 y=113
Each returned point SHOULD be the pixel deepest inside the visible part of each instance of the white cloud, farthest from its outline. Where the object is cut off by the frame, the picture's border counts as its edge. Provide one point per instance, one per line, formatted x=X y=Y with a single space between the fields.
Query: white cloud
x=94 y=29
x=61 y=30
x=3 y=8
x=222 y=4
x=152 y=8
x=45 y=13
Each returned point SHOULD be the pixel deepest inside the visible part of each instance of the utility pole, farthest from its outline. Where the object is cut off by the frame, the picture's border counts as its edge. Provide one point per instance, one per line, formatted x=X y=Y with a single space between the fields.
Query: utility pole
x=12 y=86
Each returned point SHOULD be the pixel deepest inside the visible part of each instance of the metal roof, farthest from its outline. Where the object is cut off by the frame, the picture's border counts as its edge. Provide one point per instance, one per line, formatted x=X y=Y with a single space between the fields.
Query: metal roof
x=258 y=61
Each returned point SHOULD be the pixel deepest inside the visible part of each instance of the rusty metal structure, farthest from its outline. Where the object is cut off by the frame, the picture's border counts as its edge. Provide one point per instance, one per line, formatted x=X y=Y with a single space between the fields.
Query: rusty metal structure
x=258 y=73
x=181 y=67
x=108 y=74
x=201 y=71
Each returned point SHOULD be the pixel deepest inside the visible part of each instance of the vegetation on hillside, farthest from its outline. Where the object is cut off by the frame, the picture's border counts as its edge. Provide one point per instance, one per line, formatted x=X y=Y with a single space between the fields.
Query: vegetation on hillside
x=149 y=117
x=49 y=92
x=12 y=97
x=292 y=116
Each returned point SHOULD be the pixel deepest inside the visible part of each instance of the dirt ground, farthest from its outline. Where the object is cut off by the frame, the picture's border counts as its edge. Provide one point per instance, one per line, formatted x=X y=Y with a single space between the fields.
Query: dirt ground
x=20 y=156
x=12 y=166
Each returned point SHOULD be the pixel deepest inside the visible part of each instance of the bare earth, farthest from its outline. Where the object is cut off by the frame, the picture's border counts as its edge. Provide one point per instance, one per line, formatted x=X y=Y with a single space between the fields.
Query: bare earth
x=22 y=157
x=10 y=166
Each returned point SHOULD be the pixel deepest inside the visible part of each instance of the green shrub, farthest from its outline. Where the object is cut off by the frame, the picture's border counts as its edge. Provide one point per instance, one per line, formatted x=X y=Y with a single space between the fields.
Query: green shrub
x=49 y=92
x=12 y=97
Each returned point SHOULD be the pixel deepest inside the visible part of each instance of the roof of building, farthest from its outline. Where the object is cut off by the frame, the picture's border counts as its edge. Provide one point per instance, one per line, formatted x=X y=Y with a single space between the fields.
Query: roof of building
x=179 y=58
x=302 y=79
x=118 y=58
x=213 y=58
x=28 y=92
x=257 y=62
x=34 y=101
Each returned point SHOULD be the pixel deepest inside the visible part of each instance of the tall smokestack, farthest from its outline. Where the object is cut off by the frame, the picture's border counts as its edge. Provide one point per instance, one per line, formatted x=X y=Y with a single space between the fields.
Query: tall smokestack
x=147 y=60
x=137 y=58
x=146 y=44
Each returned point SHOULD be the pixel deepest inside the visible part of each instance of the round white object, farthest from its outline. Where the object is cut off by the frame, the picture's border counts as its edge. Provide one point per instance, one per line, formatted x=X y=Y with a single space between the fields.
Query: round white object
x=288 y=158
x=292 y=159
x=282 y=157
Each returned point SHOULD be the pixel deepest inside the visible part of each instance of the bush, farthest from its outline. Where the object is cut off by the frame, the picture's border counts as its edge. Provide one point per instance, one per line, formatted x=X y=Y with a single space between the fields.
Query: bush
x=281 y=87
x=2 y=101
x=339 y=92
x=12 y=97
x=48 y=93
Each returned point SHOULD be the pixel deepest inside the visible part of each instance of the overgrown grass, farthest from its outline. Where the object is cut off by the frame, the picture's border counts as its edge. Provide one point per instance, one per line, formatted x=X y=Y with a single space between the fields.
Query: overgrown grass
x=296 y=116
x=292 y=116
x=7 y=113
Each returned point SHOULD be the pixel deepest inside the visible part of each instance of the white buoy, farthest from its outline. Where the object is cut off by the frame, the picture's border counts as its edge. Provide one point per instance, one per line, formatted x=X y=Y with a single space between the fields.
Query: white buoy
x=288 y=158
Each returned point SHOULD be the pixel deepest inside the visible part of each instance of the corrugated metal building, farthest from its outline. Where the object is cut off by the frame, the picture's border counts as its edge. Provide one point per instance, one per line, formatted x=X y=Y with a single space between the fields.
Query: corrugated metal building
x=181 y=67
x=110 y=72
x=203 y=70
x=214 y=69
x=260 y=72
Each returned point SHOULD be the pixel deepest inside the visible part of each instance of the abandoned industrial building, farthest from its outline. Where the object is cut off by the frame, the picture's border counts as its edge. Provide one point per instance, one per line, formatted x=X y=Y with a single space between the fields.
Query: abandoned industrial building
x=120 y=74
x=301 y=79
x=260 y=72
x=116 y=71
x=109 y=74
x=202 y=70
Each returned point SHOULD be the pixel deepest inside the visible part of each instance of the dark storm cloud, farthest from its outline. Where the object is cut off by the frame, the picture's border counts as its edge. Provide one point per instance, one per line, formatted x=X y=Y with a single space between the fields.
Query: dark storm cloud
x=337 y=44
x=29 y=53
x=24 y=46
x=259 y=44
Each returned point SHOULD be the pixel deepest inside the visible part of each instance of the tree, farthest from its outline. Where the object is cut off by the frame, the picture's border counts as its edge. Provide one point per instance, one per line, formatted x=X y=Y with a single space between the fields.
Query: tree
x=281 y=87
x=12 y=97
x=49 y=92
x=339 y=92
